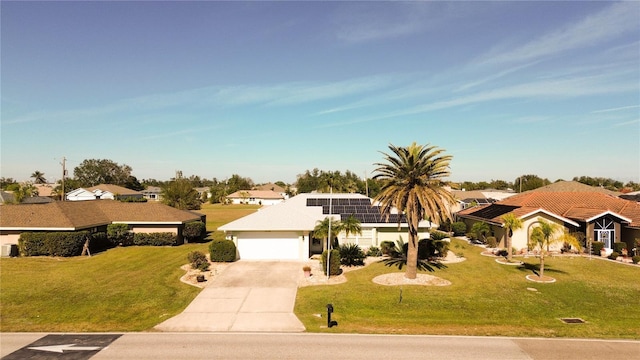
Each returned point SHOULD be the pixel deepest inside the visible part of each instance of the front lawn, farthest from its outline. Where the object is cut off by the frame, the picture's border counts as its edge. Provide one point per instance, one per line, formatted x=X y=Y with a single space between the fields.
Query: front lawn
x=486 y=298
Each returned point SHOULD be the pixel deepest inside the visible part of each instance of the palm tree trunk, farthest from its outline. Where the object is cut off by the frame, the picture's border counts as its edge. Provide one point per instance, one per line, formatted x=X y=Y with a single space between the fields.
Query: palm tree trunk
x=542 y=263
x=412 y=258
x=509 y=254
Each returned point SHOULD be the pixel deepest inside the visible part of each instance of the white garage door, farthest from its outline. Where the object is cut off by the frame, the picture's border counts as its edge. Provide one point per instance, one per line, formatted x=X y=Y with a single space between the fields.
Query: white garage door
x=269 y=246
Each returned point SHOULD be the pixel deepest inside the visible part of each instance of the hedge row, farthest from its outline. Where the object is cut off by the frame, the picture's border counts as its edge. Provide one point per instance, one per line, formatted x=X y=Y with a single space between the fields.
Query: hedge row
x=52 y=243
x=155 y=239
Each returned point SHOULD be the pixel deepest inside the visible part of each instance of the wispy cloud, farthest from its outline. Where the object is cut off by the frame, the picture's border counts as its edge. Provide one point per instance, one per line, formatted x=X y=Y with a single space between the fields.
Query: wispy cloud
x=616 y=109
x=632 y=122
x=617 y=19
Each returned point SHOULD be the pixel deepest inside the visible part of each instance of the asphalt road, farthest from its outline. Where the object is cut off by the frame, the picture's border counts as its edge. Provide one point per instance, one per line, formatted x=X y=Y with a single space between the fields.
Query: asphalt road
x=177 y=346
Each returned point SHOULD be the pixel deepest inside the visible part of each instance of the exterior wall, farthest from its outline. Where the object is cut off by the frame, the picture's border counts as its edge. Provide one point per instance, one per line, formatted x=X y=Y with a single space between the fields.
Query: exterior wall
x=154 y=228
x=629 y=235
x=9 y=237
x=256 y=201
x=521 y=236
x=384 y=234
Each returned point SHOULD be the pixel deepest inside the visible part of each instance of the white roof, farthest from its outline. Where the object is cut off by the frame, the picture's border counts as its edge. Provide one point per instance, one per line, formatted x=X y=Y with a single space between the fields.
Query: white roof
x=290 y=215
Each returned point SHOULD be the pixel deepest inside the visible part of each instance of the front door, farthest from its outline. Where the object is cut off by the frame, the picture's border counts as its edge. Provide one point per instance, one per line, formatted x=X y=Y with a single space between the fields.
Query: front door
x=605 y=232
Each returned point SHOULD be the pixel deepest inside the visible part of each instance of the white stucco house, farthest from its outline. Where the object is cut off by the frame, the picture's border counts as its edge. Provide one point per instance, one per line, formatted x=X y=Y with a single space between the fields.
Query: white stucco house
x=102 y=192
x=284 y=231
x=255 y=197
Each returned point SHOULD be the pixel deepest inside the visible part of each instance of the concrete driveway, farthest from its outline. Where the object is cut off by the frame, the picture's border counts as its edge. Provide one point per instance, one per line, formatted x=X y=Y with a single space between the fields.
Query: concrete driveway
x=248 y=296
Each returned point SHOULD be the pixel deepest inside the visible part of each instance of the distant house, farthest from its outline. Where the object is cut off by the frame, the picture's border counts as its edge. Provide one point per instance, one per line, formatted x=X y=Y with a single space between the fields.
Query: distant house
x=597 y=213
x=7 y=197
x=255 y=197
x=203 y=191
x=465 y=199
x=103 y=192
x=284 y=231
x=93 y=216
x=152 y=193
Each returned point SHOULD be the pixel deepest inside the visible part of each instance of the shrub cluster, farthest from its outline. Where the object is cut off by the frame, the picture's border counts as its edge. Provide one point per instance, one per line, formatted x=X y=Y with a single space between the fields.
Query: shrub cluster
x=429 y=249
x=222 y=251
x=374 y=251
x=334 y=260
x=614 y=255
x=386 y=247
x=618 y=246
x=492 y=242
x=119 y=234
x=52 y=243
x=458 y=228
x=194 y=231
x=636 y=259
x=351 y=255
x=438 y=235
x=596 y=247
x=155 y=239
x=198 y=260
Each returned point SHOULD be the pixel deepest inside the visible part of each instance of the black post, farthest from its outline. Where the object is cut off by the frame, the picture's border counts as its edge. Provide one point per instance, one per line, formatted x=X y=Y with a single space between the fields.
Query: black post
x=330 y=323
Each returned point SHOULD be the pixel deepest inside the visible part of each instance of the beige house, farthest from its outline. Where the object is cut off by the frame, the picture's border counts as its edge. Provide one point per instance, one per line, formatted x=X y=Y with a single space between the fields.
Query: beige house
x=93 y=216
x=597 y=213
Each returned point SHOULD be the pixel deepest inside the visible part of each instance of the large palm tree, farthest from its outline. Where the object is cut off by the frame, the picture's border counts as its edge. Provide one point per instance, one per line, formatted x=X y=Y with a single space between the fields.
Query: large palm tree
x=543 y=236
x=38 y=177
x=510 y=222
x=412 y=183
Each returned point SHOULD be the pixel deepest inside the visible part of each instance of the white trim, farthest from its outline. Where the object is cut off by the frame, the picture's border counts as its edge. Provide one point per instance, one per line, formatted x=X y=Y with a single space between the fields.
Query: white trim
x=41 y=228
x=608 y=212
x=150 y=222
x=550 y=214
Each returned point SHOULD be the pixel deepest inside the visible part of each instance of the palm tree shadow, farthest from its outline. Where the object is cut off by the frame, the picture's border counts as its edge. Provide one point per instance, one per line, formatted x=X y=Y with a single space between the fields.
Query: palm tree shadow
x=535 y=269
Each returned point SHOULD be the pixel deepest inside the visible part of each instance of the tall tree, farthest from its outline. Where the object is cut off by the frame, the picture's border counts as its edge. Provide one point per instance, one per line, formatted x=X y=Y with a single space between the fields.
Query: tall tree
x=412 y=183
x=321 y=231
x=510 y=223
x=543 y=236
x=38 y=177
x=92 y=172
x=529 y=182
x=181 y=195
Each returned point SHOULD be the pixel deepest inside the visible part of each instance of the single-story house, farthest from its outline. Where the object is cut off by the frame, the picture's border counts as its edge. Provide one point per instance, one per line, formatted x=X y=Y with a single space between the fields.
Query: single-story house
x=7 y=197
x=597 y=213
x=465 y=199
x=152 y=193
x=273 y=187
x=284 y=231
x=255 y=197
x=102 y=192
x=93 y=216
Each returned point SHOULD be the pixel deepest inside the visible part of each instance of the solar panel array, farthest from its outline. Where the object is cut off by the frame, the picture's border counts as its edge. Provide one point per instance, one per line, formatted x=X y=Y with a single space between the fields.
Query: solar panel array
x=360 y=208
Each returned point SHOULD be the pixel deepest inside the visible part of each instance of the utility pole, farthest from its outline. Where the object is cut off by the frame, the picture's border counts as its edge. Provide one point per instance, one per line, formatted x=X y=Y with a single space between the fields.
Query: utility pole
x=64 y=173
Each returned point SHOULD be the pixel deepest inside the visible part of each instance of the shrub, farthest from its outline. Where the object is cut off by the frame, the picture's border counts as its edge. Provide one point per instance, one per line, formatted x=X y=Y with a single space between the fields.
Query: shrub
x=334 y=260
x=438 y=235
x=614 y=255
x=429 y=249
x=52 y=243
x=351 y=255
x=99 y=242
x=198 y=260
x=636 y=259
x=502 y=252
x=596 y=247
x=618 y=246
x=155 y=239
x=470 y=236
x=374 y=251
x=492 y=242
x=119 y=234
x=458 y=228
x=386 y=247
x=222 y=251
x=194 y=231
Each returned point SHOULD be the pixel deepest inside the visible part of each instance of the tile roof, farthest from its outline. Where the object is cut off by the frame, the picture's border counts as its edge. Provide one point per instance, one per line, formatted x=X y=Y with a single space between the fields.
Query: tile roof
x=74 y=215
x=574 y=205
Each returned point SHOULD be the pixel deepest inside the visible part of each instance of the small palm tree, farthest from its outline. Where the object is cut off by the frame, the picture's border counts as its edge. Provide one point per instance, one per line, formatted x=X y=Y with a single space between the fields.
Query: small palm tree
x=510 y=223
x=412 y=183
x=38 y=177
x=481 y=229
x=543 y=236
x=351 y=225
x=321 y=231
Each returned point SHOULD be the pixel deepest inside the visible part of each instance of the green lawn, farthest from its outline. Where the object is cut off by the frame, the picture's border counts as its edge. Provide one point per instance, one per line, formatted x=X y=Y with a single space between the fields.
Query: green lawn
x=485 y=298
x=218 y=215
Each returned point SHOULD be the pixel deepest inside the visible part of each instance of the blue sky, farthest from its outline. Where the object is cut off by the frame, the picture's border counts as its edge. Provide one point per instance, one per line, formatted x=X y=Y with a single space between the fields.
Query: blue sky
x=268 y=90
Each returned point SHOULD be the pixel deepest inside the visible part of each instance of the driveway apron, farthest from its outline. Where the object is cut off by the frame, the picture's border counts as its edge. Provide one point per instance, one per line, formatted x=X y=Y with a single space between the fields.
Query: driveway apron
x=248 y=296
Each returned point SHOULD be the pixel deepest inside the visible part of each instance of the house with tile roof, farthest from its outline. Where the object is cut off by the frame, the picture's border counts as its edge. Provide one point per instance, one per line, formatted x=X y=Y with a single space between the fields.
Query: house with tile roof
x=102 y=192
x=284 y=231
x=93 y=216
x=255 y=197
x=597 y=213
